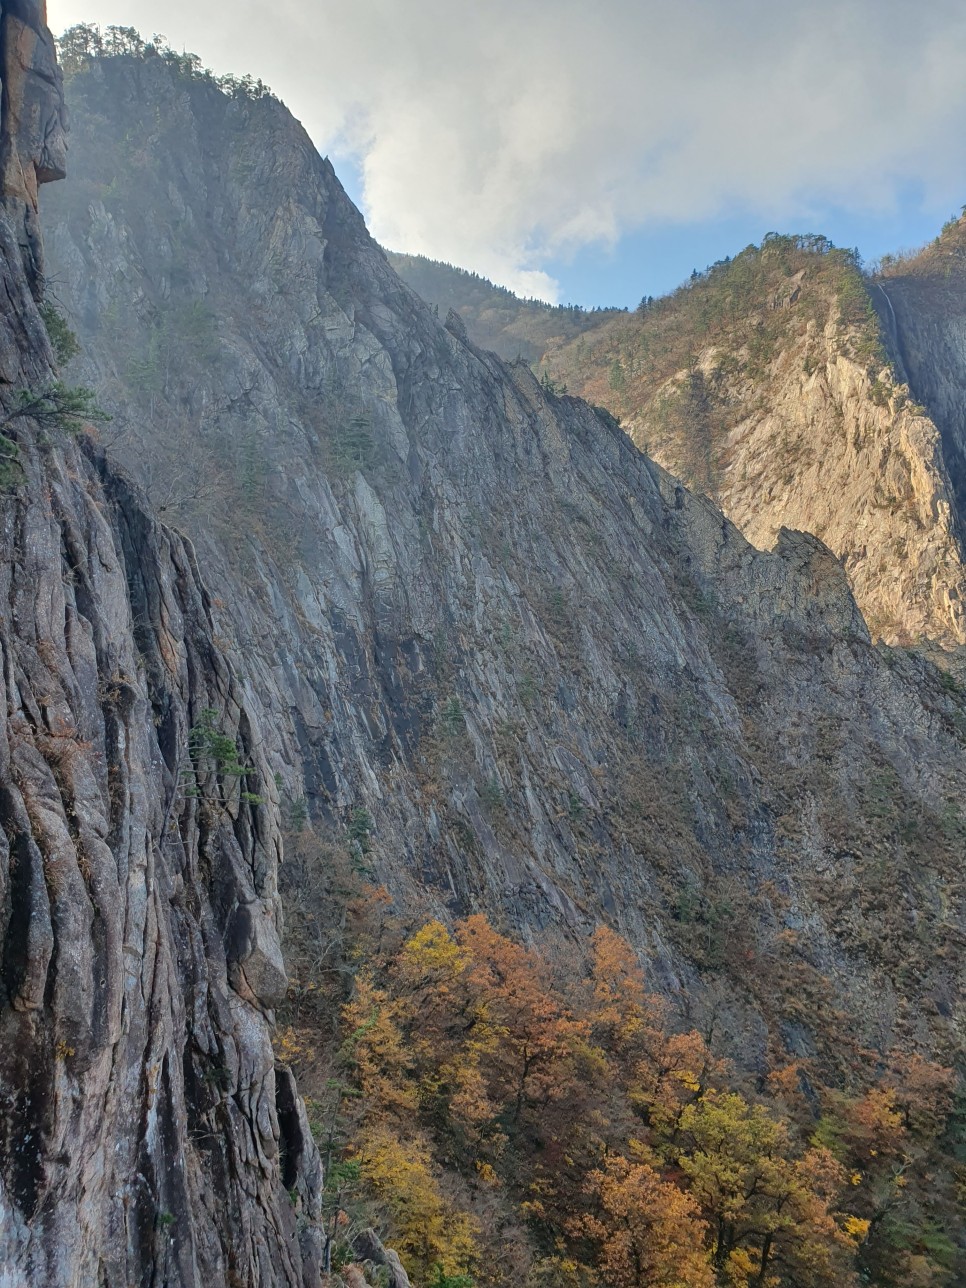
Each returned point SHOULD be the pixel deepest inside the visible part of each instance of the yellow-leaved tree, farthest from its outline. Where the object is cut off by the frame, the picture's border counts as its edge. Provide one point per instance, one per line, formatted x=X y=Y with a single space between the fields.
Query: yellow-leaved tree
x=425 y=1227
x=375 y=1047
x=770 y=1213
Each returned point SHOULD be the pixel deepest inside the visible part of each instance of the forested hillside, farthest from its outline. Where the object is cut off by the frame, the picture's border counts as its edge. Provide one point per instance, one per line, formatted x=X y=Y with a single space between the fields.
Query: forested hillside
x=514 y=1115
x=496 y=318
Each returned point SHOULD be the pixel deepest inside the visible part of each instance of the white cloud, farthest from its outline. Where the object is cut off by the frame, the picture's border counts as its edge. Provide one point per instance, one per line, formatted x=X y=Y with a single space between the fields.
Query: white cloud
x=502 y=134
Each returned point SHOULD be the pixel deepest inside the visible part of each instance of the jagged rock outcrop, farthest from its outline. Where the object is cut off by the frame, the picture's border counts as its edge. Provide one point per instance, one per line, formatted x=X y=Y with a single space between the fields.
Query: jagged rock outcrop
x=810 y=447
x=368 y=1247
x=476 y=624
x=145 y=1136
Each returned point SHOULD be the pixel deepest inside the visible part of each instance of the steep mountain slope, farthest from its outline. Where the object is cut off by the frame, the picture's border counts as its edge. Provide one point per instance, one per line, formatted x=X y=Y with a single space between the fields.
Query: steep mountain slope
x=495 y=317
x=765 y=384
x=479 y=629
x=145 y=1136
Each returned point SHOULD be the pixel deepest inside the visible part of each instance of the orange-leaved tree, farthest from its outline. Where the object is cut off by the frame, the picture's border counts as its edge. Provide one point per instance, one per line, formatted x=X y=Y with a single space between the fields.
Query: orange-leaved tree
x=531 y=1033
x=646 y=1232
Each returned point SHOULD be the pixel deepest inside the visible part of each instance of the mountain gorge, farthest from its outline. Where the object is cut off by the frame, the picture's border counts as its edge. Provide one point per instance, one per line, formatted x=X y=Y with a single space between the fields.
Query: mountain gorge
x=495 y=317
x=449 y=630
x=440 y=577
x=922 y=301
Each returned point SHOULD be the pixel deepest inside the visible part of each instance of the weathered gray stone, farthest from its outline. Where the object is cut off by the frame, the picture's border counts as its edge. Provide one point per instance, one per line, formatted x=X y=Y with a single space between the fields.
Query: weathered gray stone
x=139 y=1133
x=367 y=1246
x=563 y=687
x=33 y=136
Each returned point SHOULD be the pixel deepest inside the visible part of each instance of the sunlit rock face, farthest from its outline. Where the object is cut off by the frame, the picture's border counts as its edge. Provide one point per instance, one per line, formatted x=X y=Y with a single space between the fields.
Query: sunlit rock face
x=923 y=305
x=559 y=686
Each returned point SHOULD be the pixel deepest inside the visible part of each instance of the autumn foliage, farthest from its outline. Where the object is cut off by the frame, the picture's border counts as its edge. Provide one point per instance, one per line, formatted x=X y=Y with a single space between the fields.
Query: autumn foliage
x=516 y=1120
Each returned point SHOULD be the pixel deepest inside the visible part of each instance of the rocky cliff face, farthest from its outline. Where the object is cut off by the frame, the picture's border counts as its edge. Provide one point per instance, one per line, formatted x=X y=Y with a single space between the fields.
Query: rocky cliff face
x=922 y=304
x=477 y=627
x=33 y=140
x=822 y=444
x=764 y=385
x=145 y=1136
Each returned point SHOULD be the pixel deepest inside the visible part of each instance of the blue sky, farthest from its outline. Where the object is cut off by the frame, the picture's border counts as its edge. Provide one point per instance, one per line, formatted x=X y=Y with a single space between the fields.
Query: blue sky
x=596 y=153
x=654 y=261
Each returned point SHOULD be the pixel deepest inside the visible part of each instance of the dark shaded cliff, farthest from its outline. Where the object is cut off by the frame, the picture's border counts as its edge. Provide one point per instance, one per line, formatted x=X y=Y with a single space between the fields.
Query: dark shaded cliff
x=33 y=140
x=145 y=1136
x=922 y=302
x=478 y=625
